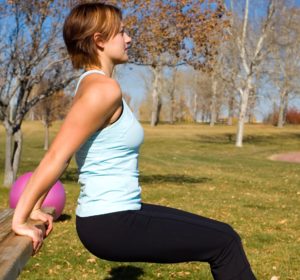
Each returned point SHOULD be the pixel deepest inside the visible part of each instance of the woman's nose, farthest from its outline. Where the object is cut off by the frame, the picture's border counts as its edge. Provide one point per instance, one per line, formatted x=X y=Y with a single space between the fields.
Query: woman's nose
x=127 y=38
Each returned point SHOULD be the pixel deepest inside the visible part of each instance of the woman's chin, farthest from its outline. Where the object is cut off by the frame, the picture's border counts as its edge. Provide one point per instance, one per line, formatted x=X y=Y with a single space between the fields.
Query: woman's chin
x=121 y=61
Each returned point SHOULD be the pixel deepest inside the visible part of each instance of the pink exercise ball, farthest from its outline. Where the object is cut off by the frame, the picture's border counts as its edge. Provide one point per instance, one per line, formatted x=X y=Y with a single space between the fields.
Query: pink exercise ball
x=56 y=197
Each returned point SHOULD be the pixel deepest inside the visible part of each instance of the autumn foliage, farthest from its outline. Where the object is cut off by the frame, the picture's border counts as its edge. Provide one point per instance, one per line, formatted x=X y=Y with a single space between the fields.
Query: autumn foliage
x=189 y=31
x=292 y=116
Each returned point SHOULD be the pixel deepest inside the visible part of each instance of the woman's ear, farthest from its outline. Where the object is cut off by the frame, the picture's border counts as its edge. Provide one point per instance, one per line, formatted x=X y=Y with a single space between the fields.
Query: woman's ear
x=98 y=40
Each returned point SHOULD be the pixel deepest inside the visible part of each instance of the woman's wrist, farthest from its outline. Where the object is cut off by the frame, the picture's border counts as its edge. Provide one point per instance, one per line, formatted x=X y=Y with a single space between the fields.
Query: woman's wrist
x=18 y=223
x=19 y=218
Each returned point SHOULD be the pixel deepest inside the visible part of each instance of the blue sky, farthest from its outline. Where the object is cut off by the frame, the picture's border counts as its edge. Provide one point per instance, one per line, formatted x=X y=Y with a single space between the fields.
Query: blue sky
x=132 y=78
x=133 y=84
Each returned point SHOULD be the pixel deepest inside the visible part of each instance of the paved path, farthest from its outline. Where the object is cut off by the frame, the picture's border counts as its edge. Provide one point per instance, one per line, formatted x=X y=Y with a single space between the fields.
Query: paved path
x=289 y=157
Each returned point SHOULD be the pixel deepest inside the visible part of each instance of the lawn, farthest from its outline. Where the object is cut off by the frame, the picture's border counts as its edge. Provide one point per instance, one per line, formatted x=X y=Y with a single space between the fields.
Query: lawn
x=195 y=168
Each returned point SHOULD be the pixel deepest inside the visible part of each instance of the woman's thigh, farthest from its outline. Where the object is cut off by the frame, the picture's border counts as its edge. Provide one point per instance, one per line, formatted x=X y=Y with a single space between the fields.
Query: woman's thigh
x=154 y=234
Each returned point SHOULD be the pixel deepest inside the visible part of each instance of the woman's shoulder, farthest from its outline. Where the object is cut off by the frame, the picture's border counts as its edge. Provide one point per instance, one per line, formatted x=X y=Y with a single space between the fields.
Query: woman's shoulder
x=99 y=87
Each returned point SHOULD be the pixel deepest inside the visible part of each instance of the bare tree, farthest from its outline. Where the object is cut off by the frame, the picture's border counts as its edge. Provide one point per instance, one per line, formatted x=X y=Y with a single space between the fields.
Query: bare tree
x=198 y=85
x=185 y=32
x=32 y=51
x=180 y=88
x=252 y=48
x=50 y=109
x=228 y=73
x=284 y=68
x=171 y=89
x=217 y=92
x=143 y=109
x=160 y=29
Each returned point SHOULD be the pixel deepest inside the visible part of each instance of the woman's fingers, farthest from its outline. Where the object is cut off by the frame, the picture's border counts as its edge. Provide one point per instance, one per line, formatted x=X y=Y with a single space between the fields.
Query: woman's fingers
x=35 y=233
x=49 y=224
x=36 y=247
x=44 y=217
x=49 y=228
x=37 y=239
x=48 y=220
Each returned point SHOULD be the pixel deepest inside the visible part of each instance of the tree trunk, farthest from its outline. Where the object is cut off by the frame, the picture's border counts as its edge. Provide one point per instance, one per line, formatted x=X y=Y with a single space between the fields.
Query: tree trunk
x=18 y=141
x=251 y=116
x=156 y=102
x=32 y=115
x=46 y=138
x=12 y=154
x=251 y=106
x=195 y=107
x=8 y=172
x=230 y=110
x=286 y=104
x=242 y=116
x=213 y=109
x=172 y=97
x=282 y=109
x=172 y=105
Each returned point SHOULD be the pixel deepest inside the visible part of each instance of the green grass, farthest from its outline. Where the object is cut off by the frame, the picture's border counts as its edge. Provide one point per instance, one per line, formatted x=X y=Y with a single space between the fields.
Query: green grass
x=198 y=169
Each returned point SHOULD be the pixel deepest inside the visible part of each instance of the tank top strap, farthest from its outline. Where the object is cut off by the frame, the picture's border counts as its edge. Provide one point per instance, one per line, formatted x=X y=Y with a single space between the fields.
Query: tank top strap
x=86 y=74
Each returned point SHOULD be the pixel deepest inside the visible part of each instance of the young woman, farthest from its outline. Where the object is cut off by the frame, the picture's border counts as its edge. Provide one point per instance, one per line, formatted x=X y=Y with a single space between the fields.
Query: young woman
x=111 y=220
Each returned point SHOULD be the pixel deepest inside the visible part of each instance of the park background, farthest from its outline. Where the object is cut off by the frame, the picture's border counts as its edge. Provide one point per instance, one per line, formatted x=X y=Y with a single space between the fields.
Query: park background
x=216 y=87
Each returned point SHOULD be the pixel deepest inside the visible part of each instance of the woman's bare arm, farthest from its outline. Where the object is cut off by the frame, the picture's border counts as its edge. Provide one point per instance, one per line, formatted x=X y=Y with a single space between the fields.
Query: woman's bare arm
x=39 y=203
x=91 y=110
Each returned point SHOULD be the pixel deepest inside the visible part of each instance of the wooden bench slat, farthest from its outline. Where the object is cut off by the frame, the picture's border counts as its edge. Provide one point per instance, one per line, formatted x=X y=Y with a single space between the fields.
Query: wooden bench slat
x=15 y=250
x=5 y=213
x=5 y=223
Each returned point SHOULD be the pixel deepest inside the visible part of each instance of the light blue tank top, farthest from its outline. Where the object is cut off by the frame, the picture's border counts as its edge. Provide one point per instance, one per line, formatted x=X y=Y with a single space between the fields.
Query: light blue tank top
x=108 y=166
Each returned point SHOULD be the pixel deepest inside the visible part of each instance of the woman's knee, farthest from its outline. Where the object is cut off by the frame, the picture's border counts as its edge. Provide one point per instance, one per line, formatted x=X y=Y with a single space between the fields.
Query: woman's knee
x=234 y=233
x=231 y=232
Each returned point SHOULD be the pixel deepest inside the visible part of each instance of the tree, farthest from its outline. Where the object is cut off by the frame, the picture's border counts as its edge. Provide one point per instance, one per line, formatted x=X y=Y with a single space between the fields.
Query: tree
x=215 y=76
x=252 y=47
x=284 y=58
x=32 y=51
x=197 y=86
x=170 y=34
x=228 y=68
x=51 y=109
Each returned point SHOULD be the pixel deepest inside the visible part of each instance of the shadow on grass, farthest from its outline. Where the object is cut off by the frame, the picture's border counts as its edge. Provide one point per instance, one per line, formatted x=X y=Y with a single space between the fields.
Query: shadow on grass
x=125 y=272
x=229 y=138
x=226 y=138
x=70 y=175
x=172 y=178
x=64 y=217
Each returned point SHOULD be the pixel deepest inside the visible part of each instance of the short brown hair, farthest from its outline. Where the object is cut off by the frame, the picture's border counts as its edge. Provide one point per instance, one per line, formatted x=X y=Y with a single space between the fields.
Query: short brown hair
x=82 y=23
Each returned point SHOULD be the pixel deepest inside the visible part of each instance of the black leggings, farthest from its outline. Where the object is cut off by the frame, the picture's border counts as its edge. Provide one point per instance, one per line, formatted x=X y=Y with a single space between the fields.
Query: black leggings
x=165 y=235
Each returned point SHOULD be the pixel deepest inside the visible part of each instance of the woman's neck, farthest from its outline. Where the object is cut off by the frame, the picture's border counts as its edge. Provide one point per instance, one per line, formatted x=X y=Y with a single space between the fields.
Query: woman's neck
x=106 y=70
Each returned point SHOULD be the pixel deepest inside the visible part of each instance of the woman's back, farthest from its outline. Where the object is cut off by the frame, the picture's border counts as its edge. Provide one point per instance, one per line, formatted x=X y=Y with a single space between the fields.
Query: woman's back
x=108 y=166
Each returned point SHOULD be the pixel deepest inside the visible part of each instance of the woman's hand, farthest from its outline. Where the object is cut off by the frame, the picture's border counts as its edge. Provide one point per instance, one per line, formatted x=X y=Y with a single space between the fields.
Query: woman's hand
x=38 y=214
x=34 y=232
x=31 y=231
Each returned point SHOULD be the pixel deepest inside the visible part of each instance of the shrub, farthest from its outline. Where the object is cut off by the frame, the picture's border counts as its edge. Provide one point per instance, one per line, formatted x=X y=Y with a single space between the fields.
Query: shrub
x=293 y=116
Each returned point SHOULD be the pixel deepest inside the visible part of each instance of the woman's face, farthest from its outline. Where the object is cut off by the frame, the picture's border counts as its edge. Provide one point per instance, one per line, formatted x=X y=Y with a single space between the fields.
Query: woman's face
x=116 y=48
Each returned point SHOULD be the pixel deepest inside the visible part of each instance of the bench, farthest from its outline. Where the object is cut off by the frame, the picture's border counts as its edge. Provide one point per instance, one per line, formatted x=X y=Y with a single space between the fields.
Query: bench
x=15 y=250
